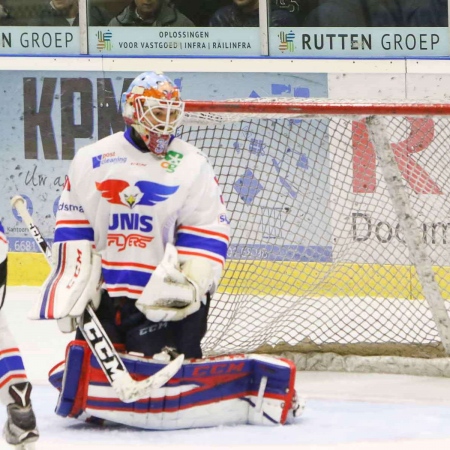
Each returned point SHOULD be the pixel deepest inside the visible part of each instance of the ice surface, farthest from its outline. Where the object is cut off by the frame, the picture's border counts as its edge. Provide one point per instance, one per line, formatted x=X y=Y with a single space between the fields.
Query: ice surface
x=344 y=411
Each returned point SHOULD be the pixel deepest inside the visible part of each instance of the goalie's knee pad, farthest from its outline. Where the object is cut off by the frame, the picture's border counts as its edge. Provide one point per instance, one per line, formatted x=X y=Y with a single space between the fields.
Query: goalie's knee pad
x=237 y=389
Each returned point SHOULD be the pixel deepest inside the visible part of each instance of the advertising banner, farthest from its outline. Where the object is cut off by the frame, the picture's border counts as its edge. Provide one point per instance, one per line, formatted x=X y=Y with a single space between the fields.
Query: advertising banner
x=173 y=41
x=40 y=41
x=241 y=42
x=358 y=42
x=367 y=227
x=47 y=117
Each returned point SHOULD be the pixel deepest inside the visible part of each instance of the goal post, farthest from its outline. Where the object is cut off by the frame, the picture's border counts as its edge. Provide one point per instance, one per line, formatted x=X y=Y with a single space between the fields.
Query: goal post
x=413 y=239
x=340 y=214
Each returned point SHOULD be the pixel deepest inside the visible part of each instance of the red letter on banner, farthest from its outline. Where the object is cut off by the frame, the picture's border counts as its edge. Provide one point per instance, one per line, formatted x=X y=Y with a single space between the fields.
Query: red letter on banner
x=364 y=158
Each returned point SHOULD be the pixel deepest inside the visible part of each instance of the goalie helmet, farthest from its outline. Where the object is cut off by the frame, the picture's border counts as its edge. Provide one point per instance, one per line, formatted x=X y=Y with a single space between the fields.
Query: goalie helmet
x=152 y=106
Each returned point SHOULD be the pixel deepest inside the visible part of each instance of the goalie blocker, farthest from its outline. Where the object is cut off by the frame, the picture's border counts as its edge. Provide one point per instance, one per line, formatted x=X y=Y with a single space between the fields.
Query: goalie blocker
x=225 y=390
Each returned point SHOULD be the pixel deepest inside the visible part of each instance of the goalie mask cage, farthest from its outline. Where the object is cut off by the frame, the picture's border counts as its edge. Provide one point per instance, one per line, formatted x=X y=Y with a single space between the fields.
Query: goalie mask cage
x=340 y=228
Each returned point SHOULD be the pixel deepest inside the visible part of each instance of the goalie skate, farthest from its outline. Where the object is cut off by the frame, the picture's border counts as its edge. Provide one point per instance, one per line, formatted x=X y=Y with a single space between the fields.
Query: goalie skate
x=20 y=430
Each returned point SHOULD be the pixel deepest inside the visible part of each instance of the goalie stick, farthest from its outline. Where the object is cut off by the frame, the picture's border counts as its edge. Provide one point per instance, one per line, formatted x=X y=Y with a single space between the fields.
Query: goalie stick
x=127 y=389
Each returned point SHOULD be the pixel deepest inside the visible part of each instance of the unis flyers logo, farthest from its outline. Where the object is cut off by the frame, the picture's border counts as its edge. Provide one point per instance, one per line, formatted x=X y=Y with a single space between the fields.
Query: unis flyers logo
x=122 y=241
x=145 y=193
x=121 y=192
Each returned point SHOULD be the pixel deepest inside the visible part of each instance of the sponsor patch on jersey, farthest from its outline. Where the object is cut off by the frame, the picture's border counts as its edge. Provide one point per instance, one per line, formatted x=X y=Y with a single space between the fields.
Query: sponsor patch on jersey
x=144 y=193
x=107 y=158
x=68 y=207
x=171 y=161
x=224 y=219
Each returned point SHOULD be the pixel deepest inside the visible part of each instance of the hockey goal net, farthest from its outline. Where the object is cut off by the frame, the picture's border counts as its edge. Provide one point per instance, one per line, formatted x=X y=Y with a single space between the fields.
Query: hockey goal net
x=340 y=226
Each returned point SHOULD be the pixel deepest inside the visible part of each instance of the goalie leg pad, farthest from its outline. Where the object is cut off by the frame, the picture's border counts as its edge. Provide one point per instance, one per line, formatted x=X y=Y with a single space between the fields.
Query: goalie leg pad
x=237 y=389
x=70 y=378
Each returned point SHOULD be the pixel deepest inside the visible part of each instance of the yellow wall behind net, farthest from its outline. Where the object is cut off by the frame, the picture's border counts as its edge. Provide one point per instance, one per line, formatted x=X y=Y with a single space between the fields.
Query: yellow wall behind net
x=27 y=269
x=276 y=278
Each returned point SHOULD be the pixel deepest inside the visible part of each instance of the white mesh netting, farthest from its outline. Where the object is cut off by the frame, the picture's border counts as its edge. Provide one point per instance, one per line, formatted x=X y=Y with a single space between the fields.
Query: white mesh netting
x=318 y=260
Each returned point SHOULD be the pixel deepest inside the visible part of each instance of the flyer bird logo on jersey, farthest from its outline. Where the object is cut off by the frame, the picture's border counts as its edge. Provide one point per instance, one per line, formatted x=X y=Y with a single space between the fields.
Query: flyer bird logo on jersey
x=145 y=193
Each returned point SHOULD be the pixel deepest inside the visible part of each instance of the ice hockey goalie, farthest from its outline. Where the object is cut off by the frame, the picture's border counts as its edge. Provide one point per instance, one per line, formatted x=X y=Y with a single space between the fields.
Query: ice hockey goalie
x=226 y=390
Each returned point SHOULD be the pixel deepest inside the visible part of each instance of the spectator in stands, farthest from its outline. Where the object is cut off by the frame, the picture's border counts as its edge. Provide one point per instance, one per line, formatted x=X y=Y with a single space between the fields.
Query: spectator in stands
x=154 y=13
x=300 y=8
x=245 y=13
x=428 y=13
x=356 y=13
x=199 y=11
x=65 y=12
x=5 y=17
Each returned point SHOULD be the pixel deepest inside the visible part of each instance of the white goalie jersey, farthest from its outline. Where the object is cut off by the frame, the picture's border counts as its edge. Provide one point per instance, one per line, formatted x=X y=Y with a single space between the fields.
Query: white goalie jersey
x=130 y=204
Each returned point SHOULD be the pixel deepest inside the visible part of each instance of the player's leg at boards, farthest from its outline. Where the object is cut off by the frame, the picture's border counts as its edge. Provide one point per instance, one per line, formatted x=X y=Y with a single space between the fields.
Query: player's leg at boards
x=20 y=430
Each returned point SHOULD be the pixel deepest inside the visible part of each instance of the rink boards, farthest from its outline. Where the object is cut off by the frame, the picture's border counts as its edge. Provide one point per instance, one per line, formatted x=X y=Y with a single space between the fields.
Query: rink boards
x=276 y=278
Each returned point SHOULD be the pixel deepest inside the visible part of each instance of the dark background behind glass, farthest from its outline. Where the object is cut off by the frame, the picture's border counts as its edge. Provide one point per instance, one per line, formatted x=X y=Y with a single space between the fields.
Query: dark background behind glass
x=315 y=13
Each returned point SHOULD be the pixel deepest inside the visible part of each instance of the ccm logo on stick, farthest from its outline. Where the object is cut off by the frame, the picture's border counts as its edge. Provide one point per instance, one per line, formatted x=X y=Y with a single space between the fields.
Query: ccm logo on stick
x=112 y=364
